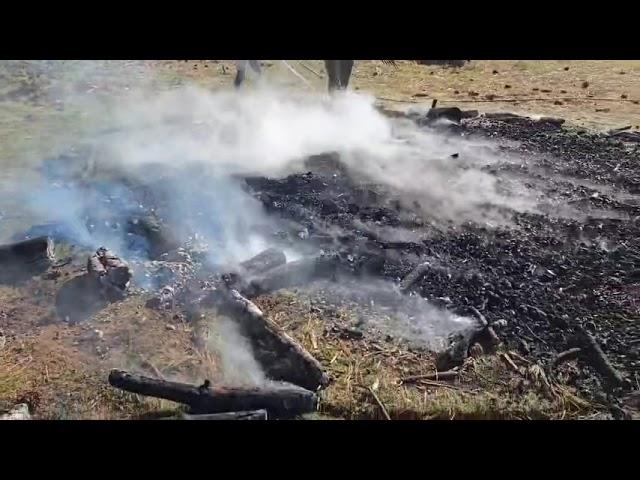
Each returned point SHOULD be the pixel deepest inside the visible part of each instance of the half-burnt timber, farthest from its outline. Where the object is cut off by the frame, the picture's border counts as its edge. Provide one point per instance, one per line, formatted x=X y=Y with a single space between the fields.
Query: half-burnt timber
x=112 y=273
x=26 y=257
x=278 y=400
x=280 y=355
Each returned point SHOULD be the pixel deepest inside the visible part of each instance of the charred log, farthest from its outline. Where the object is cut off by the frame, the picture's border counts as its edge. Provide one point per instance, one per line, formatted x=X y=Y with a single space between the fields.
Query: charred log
x=111 y=272
x=592 y=352
x=27 y=257
x=278 y=401
x=282 y=357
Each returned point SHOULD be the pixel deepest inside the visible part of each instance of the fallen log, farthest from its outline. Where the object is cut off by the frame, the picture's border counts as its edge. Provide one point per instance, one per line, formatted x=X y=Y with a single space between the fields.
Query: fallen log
x=281 y=357
x=277 y=400
x=247 y=415
x=566 y=356
x=27 y=254
x=592 y=352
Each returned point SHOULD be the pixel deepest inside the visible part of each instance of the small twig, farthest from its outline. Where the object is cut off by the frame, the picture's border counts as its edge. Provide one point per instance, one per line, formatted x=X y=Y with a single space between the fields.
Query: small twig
x=519 y=357
x=534 y=335
x=479 y=316
x=380 y=404
x=448 y=375
x=507 y=359
x=433 y=383
x=567 y=355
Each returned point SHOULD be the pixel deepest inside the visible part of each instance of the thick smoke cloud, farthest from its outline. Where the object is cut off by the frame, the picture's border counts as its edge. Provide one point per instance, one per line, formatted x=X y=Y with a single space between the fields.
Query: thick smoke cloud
x=190 y=146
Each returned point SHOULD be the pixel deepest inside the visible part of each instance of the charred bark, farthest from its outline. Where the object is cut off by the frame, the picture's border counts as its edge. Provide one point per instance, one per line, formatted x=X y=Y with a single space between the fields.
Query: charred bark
x=281 y=357
x=27 y=257
x=592 y=352
x=111 y=272
x=279 y=401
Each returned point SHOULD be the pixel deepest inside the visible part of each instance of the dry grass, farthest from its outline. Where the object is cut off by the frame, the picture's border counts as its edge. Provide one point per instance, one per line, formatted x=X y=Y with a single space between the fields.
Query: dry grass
x=485 y=389
x=526 y=78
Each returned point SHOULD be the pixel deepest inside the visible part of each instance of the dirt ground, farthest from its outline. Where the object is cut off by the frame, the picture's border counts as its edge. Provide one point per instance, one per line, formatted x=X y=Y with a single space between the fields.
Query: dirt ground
x=60 y=370
x=596 y=94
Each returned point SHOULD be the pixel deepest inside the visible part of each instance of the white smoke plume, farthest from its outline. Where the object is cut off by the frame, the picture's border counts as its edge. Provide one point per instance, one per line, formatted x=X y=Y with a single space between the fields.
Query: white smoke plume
x=201 y=139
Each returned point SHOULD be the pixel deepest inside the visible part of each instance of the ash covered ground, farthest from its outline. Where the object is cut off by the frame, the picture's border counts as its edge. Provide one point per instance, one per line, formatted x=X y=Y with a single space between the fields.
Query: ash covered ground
x=543 y=274
x=531 y=224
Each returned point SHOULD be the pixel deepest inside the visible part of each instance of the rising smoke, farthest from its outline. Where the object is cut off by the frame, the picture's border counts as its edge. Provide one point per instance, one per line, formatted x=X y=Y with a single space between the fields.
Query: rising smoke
x=189 y=145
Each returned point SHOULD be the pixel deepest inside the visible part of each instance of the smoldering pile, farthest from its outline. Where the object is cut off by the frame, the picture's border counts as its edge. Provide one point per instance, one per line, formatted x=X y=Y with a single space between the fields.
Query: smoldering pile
x=517 y=283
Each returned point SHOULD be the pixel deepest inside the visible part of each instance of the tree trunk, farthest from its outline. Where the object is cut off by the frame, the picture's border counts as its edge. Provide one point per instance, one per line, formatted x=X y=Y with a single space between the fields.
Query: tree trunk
x=27 y=252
